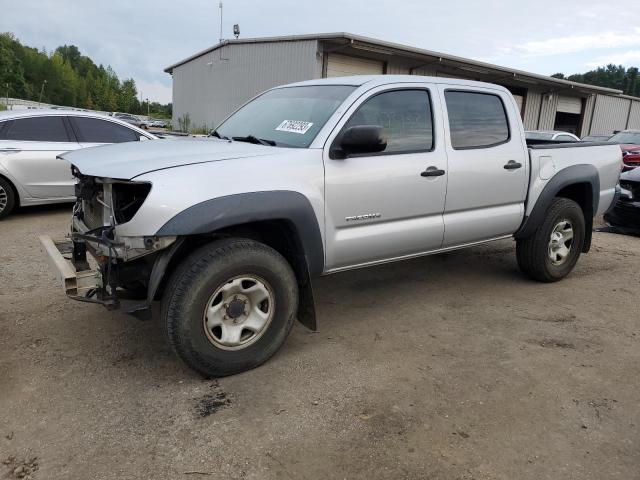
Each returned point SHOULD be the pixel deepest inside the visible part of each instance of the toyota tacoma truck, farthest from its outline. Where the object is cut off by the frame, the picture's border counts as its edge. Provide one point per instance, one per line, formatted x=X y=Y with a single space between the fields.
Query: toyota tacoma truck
x=311 y=179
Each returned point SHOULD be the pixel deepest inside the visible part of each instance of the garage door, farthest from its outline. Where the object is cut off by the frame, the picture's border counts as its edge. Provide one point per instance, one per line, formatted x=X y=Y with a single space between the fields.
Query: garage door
x=344 y=65
x=570 y=104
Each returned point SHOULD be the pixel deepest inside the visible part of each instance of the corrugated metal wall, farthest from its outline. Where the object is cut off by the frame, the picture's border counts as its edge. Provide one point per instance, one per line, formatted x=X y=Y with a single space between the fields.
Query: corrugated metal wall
x=210 y=87
x=395 y=68
x=634 y=116
x=228 y=77
x=585 y=127
x=532 y=109
x=548 y=108
x=610 y=114
x=428 y=71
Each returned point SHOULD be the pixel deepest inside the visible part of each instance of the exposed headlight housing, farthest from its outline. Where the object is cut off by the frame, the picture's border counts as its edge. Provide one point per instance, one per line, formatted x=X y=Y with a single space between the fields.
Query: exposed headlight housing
x=127 y=198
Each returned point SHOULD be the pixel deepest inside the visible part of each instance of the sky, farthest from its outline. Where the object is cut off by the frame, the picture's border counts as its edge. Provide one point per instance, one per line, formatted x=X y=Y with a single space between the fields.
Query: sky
x=139 y=38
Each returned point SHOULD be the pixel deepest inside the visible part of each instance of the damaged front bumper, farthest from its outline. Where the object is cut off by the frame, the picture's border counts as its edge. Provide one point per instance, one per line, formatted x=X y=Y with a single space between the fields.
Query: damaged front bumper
x=93 y=267
x=74 y=283
x=94 y=263
x=79 y=281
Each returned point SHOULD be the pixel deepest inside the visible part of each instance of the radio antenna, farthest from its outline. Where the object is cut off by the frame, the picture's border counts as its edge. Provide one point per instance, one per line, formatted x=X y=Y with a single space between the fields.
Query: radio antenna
x=220 y=6
x=221 y=39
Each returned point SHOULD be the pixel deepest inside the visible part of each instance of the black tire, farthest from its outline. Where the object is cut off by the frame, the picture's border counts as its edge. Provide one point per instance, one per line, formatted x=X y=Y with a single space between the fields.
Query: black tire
x=7 y=198
x=189 y=292
x=533 y=253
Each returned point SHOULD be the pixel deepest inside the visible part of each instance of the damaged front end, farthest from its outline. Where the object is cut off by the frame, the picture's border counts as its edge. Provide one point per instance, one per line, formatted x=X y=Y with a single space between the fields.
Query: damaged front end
x=117 y=267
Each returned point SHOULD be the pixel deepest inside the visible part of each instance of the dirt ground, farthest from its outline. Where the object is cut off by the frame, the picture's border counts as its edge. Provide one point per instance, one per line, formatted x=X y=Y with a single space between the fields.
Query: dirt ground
x=445 y=367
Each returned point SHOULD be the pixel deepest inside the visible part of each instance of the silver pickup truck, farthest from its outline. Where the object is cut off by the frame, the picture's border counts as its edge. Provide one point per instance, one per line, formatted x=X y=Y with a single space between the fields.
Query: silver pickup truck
x=314 y=178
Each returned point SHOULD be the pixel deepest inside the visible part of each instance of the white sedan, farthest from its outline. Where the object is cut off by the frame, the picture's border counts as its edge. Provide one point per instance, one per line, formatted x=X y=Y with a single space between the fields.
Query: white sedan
x=551 y=135
x=30 y=140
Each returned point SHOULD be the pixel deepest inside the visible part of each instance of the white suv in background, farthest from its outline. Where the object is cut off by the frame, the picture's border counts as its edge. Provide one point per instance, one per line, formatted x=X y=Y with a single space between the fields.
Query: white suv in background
x=30 y=140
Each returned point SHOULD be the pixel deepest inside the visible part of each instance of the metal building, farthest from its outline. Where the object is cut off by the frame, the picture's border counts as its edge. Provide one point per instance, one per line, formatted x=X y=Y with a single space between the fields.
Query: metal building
x=211 y=84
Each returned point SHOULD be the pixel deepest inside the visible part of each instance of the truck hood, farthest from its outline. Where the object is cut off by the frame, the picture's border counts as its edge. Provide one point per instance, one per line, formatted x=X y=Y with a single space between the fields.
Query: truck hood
x=128 y=160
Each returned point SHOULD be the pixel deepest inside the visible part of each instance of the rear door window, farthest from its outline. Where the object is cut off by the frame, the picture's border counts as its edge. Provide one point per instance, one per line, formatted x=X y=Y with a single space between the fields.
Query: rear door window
x=37 y=129
x=95 y=130
x=476 y=120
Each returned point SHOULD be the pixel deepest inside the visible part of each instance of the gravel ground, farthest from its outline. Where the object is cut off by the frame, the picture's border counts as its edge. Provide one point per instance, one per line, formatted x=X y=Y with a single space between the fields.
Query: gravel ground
x=445 y=367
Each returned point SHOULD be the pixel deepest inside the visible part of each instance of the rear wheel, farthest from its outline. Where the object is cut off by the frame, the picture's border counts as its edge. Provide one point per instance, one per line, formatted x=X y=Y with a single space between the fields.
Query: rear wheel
x=7 y=198
x=553 y=250
x=230 y=306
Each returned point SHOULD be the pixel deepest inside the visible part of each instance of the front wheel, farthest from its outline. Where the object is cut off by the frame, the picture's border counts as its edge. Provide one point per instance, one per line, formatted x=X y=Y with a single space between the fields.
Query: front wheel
x=553 y=250
x=230 y=306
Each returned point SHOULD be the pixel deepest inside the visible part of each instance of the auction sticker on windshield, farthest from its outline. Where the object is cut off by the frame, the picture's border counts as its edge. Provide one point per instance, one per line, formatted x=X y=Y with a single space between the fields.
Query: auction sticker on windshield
x=294 y=126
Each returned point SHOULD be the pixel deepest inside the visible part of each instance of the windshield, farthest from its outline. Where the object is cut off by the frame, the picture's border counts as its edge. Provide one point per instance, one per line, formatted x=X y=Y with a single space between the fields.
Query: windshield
x=626 y=137
x=286 y=117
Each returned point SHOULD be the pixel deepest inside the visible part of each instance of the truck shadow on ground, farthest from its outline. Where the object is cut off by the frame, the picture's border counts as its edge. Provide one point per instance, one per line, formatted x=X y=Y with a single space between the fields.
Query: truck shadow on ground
x=347 y=297
x=483 y=270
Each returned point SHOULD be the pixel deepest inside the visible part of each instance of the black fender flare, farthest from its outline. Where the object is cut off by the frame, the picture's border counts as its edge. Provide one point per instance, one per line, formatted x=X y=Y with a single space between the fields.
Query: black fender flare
x=228 y=211
x=575 y=174
x=237 y=209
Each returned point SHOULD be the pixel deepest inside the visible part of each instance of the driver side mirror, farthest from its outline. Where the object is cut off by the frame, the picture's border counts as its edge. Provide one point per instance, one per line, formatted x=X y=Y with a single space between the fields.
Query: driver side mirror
x=360 y=139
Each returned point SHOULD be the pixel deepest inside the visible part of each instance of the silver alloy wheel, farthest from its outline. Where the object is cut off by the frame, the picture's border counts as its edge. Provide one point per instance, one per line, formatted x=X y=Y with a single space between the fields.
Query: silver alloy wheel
x=4 y=199
x=239 y=312
x=560 y=242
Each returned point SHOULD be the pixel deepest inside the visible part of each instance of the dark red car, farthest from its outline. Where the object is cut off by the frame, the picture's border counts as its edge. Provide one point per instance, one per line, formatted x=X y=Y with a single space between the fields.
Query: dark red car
x=631 y=158
x=629 y=141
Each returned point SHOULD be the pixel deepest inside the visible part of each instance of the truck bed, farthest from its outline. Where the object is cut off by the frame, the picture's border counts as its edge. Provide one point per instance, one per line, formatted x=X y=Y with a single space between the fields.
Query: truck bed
x=535 y=143
x=548 y=158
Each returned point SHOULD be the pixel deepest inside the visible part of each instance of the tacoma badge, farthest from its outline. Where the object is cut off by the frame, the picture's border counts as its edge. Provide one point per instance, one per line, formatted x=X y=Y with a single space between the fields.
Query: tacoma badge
x=366 y=216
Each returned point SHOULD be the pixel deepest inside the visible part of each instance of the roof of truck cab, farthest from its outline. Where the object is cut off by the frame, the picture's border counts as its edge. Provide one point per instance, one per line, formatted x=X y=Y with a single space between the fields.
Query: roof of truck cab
x=378 y=80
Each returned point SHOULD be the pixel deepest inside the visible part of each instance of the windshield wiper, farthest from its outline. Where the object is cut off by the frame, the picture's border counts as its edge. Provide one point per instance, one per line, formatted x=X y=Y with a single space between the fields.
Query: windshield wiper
x=256 y=140
x=217 y=135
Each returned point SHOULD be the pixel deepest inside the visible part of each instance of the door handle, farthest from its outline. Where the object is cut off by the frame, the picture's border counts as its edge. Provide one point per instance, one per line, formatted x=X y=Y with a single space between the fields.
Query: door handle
x=432 y=172
x=512 y=165
x=10 y=150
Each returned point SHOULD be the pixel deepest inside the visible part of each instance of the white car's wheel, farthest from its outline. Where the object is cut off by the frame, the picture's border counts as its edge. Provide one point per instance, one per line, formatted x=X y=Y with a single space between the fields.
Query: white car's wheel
x=7 y=198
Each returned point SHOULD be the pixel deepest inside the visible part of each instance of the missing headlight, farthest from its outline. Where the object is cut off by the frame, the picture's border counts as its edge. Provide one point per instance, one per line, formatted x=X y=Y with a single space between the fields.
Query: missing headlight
x=127 y=199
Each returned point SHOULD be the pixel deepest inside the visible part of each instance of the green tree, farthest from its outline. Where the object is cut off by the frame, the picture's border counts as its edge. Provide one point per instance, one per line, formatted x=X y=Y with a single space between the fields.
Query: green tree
x=72 y=79
x=11 y=69
x=610 y=76
x=128 y=99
